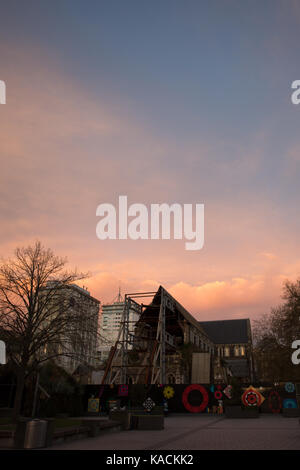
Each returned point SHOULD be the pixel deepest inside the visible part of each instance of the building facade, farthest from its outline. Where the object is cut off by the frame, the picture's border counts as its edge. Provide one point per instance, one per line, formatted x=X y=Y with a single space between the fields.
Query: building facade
x=168 y=345
x=76 y=345
x=111 y=318
x=233 y=351
x=160 y=350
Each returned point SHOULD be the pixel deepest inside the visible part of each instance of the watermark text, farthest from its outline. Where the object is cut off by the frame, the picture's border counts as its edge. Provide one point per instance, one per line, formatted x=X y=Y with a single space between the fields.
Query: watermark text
x=295 y=97
x=162 y=221
x=2 y=92
x=2 y=352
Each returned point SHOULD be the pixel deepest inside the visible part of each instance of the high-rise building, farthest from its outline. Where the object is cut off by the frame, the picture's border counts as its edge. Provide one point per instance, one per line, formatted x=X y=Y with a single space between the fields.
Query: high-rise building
x=77 y=342
x=110 y=323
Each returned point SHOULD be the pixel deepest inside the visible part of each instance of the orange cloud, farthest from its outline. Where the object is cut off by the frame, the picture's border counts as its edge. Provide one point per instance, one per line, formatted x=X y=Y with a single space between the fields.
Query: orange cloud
x=63 y=152
x=232 y=298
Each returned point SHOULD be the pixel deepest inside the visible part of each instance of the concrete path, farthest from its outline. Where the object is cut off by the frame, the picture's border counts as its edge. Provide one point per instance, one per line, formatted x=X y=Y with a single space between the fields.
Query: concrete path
x=201 y=432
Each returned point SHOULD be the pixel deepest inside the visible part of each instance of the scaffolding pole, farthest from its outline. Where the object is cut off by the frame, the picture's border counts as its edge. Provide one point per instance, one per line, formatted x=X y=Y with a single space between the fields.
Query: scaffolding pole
x=117 y=366
x=159 y=361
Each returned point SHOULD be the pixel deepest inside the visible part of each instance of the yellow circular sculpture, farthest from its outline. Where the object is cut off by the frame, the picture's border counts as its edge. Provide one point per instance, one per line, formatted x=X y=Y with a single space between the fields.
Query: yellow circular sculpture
x=168 y=392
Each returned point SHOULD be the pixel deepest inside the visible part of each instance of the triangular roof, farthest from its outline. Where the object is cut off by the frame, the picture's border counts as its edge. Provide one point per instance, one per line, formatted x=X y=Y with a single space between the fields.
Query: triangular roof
x=228 y=331
x=187 y=316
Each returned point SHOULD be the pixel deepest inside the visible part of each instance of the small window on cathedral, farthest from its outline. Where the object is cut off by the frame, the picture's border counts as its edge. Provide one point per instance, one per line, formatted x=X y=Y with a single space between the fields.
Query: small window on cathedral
x=171 y=379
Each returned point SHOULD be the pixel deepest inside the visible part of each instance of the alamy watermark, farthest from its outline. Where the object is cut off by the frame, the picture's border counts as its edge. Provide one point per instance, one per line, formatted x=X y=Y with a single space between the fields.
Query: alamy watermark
x=2 y=92
x=154 y=224
x=296 y=354
x=2 y=352
x=295 y=97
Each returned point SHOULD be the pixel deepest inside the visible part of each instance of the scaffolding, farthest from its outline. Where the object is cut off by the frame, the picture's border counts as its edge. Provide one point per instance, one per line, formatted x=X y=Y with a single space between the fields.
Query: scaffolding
x=153 y=348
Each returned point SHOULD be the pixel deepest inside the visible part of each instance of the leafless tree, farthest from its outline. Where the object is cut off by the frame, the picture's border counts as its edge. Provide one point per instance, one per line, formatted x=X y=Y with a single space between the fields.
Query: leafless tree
x=37 y=319
x=273 y=335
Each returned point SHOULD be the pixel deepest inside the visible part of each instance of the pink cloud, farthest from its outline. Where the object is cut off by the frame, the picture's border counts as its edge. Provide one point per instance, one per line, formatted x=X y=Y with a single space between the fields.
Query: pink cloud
x=63 y=152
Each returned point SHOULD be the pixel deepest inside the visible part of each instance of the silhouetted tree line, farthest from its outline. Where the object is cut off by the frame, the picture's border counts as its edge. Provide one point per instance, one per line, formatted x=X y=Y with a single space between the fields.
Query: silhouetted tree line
x=273 y=335
x=36 y=321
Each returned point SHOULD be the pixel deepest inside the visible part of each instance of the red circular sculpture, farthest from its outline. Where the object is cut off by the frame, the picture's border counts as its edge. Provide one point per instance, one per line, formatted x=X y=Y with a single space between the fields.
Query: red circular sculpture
x=185 y=398
x=274 y=396
x=218 y=395
x=252 y=397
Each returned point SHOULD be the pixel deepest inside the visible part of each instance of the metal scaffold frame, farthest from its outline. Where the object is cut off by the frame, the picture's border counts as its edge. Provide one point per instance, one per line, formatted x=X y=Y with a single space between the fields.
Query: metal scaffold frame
x=117 y=369
x=159 y=361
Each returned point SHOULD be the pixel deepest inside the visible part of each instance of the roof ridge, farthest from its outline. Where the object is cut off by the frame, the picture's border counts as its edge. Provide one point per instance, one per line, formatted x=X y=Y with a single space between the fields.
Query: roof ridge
x=227 y=319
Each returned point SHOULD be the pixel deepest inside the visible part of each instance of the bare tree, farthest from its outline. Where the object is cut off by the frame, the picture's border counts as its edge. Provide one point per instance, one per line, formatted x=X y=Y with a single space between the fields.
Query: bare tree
x=37 y=319
x=273 y=336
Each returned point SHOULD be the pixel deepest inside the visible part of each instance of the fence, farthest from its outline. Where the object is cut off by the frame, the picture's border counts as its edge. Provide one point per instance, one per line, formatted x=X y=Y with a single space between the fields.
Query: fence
x=194 y=398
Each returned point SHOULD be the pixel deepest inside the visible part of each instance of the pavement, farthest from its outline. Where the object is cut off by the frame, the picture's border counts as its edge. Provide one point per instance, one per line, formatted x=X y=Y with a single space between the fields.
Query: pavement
x=202 y=432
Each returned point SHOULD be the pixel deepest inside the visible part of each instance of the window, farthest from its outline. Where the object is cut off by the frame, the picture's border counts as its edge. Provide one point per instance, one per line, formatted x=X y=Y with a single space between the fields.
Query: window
x=171 y=379
x=226 y=351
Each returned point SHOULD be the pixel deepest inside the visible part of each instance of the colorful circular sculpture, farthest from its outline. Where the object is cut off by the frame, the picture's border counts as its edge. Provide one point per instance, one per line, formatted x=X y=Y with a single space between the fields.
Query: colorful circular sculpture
x=123 y=391
x=228 y=391
x=289 y=403
x=274 y=401
x=168 y=392
x=218 y=394
x=289 y=387
x=93 y=405
x=149 y=404
x=252 y=397
x=187 y=404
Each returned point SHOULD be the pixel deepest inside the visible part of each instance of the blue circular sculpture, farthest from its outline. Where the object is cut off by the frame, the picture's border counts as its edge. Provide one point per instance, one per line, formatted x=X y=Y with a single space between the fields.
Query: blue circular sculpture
x=289 y=403
x=289 y=387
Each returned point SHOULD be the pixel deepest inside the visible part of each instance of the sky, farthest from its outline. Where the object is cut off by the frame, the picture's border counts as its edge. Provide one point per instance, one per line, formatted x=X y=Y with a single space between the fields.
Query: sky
x=174 y=101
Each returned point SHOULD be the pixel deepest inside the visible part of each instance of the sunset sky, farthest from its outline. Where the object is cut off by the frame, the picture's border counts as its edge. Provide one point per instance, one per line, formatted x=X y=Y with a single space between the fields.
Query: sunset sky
x=163 y=101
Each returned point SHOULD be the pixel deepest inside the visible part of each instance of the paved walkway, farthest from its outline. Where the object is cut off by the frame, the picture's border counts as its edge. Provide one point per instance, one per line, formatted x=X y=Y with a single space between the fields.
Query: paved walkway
x=201 y=432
